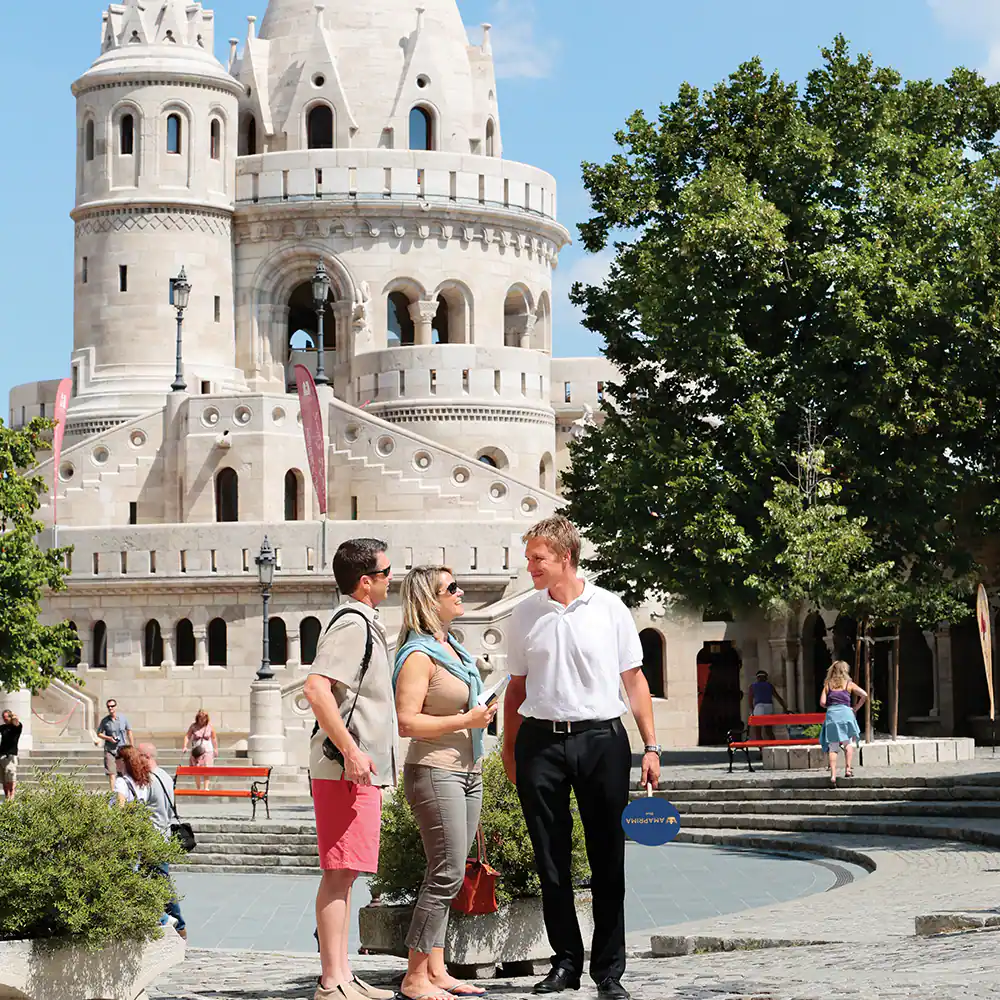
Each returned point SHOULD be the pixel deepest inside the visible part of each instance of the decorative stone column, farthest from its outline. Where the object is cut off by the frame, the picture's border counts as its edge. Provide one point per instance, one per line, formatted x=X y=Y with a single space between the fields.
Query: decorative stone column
x=201 y=646
x=341 y=340
x=266 y=744
x=168 y=649
x=931 y=640
x=422 y=313
x=294 y=649
x=521 y=328
x=19 y=702
x=946 y=685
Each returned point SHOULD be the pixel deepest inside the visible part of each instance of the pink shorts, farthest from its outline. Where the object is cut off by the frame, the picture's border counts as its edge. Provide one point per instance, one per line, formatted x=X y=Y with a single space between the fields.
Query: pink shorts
x=348 y=825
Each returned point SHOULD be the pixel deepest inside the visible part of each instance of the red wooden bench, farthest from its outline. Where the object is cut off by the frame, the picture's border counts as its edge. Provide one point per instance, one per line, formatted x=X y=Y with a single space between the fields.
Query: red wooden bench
x=737 y=737
x=257 y=792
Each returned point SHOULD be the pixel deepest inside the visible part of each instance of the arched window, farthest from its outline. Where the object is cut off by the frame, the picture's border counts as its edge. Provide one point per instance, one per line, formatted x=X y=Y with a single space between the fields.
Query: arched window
x=152 y=644
x=99 y=646
x=488 y=460
x=227 y=495
x=652 y=661
x=277 y=641
x=293 y=498
x=215 y=139
x=309 y=633
x=248 y=136
x=320 y=127
x=421 y=129
x=174 y=134
x=401 y=331
x=217 y=643
x=88 y=140
x=439 y=328
x=185 y=650
x=72 y=660
x=126 y=137
x=545 y=473
x=490 y=138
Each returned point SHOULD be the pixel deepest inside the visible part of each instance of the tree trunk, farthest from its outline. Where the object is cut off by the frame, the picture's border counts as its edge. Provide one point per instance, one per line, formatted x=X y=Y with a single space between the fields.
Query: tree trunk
x=894 y=718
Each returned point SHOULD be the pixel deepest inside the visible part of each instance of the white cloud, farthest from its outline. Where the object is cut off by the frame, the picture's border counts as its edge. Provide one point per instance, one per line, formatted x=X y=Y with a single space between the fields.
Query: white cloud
x=978 y=20
x=517 y=52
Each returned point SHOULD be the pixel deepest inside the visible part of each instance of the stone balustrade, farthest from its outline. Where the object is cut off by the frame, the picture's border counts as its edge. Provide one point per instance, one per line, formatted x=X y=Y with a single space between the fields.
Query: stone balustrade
x=390 y=175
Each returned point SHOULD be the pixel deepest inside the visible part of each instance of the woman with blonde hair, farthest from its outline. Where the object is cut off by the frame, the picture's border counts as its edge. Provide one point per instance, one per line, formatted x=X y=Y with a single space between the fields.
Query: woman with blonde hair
x=438 y=686
x=204 y=744
x=840 y=728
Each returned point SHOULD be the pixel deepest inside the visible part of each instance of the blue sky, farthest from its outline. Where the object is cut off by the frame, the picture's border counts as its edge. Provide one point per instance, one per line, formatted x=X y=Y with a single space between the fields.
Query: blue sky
x=571 y=71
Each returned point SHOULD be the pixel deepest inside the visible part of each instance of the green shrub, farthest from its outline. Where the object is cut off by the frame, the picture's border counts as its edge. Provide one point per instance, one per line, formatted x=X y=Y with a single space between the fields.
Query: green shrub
x=508 y=847
x=811 y=732
x=74 y=866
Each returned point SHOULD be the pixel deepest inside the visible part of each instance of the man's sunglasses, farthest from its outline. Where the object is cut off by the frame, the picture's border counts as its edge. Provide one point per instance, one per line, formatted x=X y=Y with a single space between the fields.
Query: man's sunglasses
x=112 y=705
x=380 y=572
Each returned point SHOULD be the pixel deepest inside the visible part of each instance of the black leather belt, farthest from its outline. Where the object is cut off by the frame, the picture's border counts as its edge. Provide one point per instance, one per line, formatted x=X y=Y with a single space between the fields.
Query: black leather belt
x=567 y=728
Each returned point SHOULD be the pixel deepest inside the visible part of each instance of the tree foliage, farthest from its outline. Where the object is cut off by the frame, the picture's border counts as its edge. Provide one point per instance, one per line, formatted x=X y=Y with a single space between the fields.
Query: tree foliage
x=31 y=654
x=778 y=248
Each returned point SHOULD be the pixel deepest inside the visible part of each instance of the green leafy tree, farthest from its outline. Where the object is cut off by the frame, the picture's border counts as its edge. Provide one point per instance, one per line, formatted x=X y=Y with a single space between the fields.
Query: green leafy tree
x=776 y=248
x=31 y=654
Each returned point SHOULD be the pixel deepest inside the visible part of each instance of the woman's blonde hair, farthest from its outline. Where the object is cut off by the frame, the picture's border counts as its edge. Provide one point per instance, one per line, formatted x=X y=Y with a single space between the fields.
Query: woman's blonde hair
x=419 y=599
x=838 y=676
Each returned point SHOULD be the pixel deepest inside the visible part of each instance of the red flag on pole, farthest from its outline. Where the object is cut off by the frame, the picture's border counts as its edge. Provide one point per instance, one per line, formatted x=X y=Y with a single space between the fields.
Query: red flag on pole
x=312 y=429
x=62 y=404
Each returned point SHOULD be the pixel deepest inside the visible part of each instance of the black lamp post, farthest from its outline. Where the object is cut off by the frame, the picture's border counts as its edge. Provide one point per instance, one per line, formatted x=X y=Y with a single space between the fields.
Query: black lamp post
x=321 y=292
x=182 y=294
x=265 y=574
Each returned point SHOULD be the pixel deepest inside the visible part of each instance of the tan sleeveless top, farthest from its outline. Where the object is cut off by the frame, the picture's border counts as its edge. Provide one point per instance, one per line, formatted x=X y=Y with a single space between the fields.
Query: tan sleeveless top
x=446 y=695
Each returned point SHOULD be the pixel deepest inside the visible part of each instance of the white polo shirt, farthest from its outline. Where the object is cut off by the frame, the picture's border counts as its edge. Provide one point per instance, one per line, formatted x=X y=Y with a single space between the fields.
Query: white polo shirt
x=572 y=657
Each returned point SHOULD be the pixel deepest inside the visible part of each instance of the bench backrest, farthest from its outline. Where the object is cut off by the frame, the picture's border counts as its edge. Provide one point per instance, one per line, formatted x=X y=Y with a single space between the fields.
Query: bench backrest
x=224 y=772
x=804 y=719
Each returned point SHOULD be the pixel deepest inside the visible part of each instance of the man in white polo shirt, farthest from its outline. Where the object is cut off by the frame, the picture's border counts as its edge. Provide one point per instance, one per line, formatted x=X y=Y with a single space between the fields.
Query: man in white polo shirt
x=570 y=648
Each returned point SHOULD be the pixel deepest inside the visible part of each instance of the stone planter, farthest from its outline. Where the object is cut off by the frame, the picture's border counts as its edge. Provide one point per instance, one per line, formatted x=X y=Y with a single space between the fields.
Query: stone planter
x=54 y=970
x=476 y=946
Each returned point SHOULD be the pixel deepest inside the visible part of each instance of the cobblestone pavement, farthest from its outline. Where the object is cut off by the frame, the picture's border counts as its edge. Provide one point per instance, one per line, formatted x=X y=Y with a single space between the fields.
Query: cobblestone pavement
x=956 y=968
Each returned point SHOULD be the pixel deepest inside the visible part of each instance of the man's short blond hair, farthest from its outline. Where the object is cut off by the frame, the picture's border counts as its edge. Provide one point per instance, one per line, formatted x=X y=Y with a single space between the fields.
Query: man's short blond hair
x=561 y=535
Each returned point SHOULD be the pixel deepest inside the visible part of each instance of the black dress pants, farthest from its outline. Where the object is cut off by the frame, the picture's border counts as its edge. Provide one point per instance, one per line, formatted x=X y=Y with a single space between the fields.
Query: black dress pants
x=596 y=765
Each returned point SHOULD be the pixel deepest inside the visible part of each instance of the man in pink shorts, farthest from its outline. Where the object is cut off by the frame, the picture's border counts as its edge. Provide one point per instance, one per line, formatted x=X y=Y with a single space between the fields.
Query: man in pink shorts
x=353 y=753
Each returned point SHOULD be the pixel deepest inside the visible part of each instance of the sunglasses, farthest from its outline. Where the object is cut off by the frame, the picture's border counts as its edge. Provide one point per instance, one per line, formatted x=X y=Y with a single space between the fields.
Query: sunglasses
x=452 y=588
x=380 y=572
x=112 y=705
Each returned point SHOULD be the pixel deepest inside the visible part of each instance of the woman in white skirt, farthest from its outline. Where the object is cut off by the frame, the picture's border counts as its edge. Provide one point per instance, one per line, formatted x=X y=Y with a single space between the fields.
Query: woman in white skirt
x=840 y=728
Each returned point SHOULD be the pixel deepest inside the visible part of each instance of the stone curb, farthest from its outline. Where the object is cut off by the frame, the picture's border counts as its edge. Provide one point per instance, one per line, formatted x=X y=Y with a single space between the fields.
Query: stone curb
x=776 y=842
x=677 y=946
x=938 y=924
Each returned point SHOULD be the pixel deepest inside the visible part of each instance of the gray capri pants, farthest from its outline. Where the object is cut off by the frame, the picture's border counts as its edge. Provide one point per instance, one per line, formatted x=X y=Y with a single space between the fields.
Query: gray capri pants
x=447 y=805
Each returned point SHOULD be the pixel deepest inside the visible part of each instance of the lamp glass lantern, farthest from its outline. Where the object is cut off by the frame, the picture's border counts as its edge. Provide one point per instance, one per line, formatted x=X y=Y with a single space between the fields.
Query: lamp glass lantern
x=320 y=286
x=182 y=291
x=265 y=565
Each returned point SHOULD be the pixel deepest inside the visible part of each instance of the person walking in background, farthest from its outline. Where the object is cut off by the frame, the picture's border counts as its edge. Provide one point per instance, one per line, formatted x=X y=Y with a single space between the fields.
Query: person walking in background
x=570 y=648
x=10 y=735
x=438 y=685
x=162 y=811
x=203 y=743
x=762 y=699
x=352 y=755
x=840 y=727
x=114 y=733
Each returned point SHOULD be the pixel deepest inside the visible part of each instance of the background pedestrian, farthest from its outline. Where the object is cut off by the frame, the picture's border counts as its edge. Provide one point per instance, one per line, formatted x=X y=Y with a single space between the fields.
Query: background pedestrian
x=10 y=735
x=840 y=727
x=203 y=744
x=114 y=733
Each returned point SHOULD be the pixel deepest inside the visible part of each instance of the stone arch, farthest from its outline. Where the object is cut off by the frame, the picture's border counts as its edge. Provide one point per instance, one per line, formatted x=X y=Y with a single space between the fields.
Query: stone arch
x=89 y=139
x=541 y=333
x=518 y=316
x=424 y=126
x=546 y=473
x=494 y=457
x=401 y=294
x=719 y=692
x=227 y=495
x=99 y=646
x=491 y=138
x=248 y=142
x=277 y=641
x=295 y=494
x=218 y=644
x=275 y=280
x=303 y=326
x=185 y=647
x=456 y=303
x=816 y=659
x=72 y=660
x=176 y=142
x=152 y=644
x=654 y=647
x=320 y=122
x=310 y=631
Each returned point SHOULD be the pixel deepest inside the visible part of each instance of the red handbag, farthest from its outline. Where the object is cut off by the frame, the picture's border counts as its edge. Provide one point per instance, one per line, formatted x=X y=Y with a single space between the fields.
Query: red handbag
x=478 y=894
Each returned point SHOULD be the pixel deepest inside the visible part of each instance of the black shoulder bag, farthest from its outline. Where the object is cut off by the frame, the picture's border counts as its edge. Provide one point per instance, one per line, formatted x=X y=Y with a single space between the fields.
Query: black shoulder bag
x=330 y=749
x=182 y=831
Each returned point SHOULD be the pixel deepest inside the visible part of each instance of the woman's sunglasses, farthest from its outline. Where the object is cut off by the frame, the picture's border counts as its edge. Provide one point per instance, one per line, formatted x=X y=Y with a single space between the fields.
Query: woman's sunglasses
x=452 y=588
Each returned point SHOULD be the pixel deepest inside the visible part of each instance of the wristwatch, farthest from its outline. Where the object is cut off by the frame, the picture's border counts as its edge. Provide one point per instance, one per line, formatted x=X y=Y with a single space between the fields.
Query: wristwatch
x=654 y=748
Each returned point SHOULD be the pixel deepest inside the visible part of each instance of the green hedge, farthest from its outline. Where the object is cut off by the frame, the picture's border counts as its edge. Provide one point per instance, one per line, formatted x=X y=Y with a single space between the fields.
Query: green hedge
x=508 y=847
x=74 y=866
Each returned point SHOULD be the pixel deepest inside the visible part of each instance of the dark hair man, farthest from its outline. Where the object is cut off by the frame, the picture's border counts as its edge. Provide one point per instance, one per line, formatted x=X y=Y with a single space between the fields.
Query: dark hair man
x=353 y=753
x=10 y=735
x=114 y=732
x=562 y=732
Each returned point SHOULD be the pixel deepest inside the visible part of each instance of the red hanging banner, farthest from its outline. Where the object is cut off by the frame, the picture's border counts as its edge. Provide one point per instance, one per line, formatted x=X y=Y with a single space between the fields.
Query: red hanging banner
x=62 y=405
x=986 y=638
x=312 y=429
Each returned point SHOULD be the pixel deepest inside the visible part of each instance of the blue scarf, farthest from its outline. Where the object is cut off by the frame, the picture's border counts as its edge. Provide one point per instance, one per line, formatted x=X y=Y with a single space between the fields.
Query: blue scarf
x=466 y=671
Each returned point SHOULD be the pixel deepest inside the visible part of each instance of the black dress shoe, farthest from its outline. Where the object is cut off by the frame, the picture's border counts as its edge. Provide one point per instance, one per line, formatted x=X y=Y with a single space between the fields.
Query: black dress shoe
x=612 y=989
x=557 y=981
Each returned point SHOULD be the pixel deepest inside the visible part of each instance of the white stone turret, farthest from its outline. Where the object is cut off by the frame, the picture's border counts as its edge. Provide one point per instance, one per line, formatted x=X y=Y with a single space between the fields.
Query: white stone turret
x=156 y=149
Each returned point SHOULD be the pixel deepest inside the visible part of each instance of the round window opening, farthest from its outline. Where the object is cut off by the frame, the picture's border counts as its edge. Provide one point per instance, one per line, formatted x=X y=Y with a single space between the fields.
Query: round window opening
x=242 y=415
x=386 y=446
x=101 y=455
x=137 y=439
x=529 y=505
x=492 y=637
x=459 y=635
x=498 y=491
x=352 y=433
x=422 y=460
x=210 y=417
x=423 y=81
x=278 y=415
x=461 y=475
x=66 y=472
x=319 y=80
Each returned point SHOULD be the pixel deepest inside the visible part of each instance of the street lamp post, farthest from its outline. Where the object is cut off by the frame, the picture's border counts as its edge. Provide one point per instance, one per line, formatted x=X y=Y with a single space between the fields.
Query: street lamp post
x=181 y=296
x=321 y=292
x=265 y=574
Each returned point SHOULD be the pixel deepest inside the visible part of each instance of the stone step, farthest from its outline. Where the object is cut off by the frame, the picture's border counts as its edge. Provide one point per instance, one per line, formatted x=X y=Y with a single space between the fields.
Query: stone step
x=276 y=828
x=846 y=789
x=279 y=849
x=272 y=861
x=247 y=869
x=979 y=810
x=767 y=779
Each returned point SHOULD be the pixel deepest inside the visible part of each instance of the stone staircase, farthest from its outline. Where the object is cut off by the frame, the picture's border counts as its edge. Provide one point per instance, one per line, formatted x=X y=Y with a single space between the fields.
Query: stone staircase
x=266 y=847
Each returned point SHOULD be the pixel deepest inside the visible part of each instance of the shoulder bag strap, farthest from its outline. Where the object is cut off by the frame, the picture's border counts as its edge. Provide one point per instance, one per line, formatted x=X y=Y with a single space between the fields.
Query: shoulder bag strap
x=170 y=798
x=365 y=662
x=481 y=845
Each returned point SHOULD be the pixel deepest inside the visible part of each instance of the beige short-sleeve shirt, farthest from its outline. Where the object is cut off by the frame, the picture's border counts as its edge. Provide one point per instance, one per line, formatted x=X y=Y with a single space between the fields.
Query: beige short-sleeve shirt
x=338 y=658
